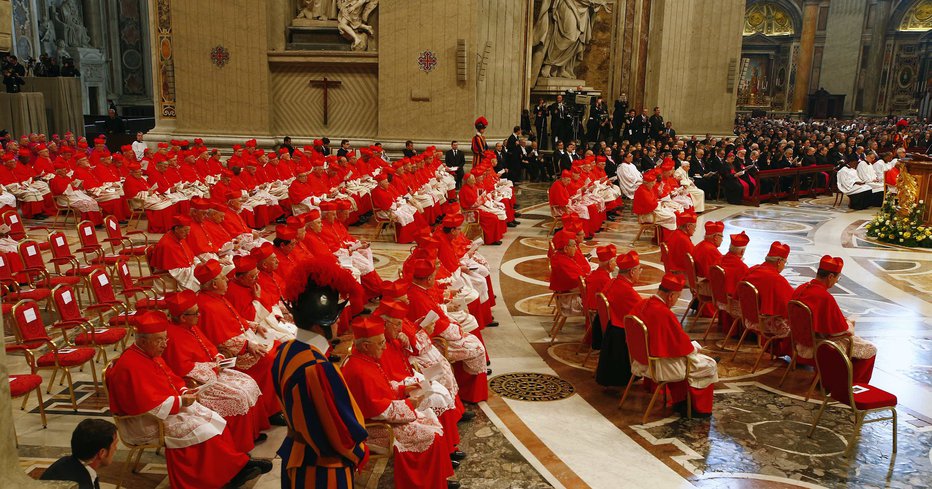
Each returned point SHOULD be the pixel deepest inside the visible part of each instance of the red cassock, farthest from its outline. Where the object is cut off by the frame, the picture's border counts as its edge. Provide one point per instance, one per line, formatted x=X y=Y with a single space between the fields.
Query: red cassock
x=667 y=339
x=117 y=208
x=187 y=347
x=60 y=184
x=397 y=366
x=706 y=256
x=218 y=234
x=225 y=328
x=678 y=244
x=170 y=253
x=370 y=387
x=241 y=298
x=558 y=195
x=596 y=283
x=565 y=272
x=621 y=299
x=645 y=201
x=493 y=228
x=473 y=388
x=450 y=252
x=233 y=223
x=138 y=384
x=382 y=200
x=735 y=270
x=828 y=320
x=773 y=289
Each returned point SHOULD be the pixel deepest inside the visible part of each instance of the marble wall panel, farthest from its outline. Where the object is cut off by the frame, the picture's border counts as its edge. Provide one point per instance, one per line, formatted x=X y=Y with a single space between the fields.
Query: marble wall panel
x=842 y=53
x=214 y=100
x=298 y=108
x=6 y=25
x=501 y=87
x=416 y=104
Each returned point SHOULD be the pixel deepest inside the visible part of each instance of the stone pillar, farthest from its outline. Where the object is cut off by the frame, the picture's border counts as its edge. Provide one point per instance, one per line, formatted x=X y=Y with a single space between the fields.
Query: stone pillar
x=92 y=17
x=842 y=55
x=6 y=25
x=875 y=55
x=11 y=474
x=806 y=49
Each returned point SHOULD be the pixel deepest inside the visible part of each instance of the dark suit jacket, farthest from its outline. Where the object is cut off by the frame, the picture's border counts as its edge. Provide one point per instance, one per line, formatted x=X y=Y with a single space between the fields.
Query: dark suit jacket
x=70 y=469
x=451 y=161
x=408 y=152
x=562 y=161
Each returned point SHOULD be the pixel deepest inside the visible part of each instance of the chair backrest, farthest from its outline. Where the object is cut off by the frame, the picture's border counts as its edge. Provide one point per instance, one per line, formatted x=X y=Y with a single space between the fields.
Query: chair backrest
x=691 y=272
x=87 y=235
x=749 y=299
x=27 y=322
x=58 y=244
x=12 y=219
x=636 y=337
x=126 y=279
x=112 y=226
x=65 y=300
x=799 y=316
x=664 y=256
x=835 y=372
x=601 y=305
x=717 y=285
x=100 y=284
x=31 y=254
x=6 y=269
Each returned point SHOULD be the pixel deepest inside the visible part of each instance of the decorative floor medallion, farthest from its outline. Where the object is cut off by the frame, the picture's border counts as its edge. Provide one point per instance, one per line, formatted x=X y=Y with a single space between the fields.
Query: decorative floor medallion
x=530 y=386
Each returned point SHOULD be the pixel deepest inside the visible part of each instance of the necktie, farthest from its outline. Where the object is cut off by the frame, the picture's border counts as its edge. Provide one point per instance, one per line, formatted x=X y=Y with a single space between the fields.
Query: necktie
x=96 y=482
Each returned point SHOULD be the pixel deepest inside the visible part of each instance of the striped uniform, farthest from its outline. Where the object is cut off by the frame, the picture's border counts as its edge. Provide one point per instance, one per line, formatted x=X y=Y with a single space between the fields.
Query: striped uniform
x=326 y=431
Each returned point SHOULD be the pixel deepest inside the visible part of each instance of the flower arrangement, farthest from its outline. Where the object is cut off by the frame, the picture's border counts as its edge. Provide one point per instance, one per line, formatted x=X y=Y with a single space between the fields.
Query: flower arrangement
x=900 y=227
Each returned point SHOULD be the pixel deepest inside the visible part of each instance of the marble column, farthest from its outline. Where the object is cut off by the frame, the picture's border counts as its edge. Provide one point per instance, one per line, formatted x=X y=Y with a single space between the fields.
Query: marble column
x=806 y=50
x=92 y=20
x=842 y=55
x=875 y=55
x=11 y=474
x=637 y=98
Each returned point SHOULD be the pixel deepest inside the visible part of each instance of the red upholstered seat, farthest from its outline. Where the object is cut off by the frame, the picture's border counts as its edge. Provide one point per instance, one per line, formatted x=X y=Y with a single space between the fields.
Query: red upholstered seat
x=134 y=250
x=73 y=358
x=37 y=295
x=53 y=281
x=123 y=319
x=873 y=398
x=20 y=384
x=151 y=304
x=108 y=336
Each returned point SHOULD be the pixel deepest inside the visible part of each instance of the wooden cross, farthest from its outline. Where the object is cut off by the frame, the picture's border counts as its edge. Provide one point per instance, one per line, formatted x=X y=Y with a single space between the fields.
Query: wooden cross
x=325 y=84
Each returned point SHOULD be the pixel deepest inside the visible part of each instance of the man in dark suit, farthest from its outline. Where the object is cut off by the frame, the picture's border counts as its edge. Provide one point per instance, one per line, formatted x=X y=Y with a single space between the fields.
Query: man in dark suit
x=501 y=159
x=455 y=158
x=649 y=160
x=344 y=148
x=561 y=159
x=93 y=445
x=559 y=120
x=705 y=178
x=640 y=127
x=409 y=149
x=540 y=123
x=513 y=155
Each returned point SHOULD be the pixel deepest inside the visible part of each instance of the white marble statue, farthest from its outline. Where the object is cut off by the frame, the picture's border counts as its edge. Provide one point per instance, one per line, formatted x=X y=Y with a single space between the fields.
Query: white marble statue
x=69 y=24
x=352 y=18
x=562 y=30
x=317 y=9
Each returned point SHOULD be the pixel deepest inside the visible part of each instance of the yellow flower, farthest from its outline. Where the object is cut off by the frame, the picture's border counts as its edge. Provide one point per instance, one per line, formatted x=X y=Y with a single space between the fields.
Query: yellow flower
x=907 y=234
x=892 y=236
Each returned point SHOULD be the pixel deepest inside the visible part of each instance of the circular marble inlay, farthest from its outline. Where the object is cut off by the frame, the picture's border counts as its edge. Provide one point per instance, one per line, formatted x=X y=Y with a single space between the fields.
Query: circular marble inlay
x=792 y=437
x=771 y=225
x=531 y=386
x=572 y=354
x=536 y=305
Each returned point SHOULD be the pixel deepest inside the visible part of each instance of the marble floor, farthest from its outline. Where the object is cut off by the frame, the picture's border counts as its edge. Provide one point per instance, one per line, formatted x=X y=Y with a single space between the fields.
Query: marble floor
x=566 y=431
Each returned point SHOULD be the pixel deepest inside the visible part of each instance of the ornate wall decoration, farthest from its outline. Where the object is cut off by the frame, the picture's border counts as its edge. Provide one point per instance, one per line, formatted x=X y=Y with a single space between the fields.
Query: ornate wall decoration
x=768 y=19
x=918 y=17
x=22 y=30
x=166 y=75
x=427 y=61
x=903 y=82
x=132 y=59
x=220 y=56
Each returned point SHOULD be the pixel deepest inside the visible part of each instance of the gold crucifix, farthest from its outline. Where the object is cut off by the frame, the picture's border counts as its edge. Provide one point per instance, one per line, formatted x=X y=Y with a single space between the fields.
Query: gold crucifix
x=326 y=83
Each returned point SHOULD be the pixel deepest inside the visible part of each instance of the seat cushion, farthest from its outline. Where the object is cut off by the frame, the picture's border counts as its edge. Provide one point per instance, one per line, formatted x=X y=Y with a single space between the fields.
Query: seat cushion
x=124 y=318
x=64 y=280
x=151 y=304
x=873 y=398
x=104 y=336
x=20 y=384
x=134 y=250
x=72 y=358
x=34 y=294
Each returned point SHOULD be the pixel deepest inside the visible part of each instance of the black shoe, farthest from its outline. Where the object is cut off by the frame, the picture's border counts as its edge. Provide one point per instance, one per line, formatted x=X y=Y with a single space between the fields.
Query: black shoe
x=680 y=408
x=488 y=371
x=493 y=324
x=261 y=438
x=517 y=214
x=277 y=420
x=453 y=484
x=698 y=415
x=497 y=243
x=467 y=416
x=458 y=455
x=512 y=224
x=264 y=466
x=517 y=206
x=246 y=474
x=455 y=464
x=123 y=223
x=40 y=217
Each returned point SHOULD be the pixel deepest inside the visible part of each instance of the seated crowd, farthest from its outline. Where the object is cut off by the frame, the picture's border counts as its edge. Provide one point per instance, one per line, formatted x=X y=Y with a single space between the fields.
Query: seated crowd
x=678 y=359
x=243 y=239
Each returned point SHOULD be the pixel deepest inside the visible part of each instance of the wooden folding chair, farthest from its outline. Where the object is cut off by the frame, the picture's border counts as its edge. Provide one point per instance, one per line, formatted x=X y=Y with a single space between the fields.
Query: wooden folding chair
x=753 y=320
x=639 y=351
x=802 y=334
